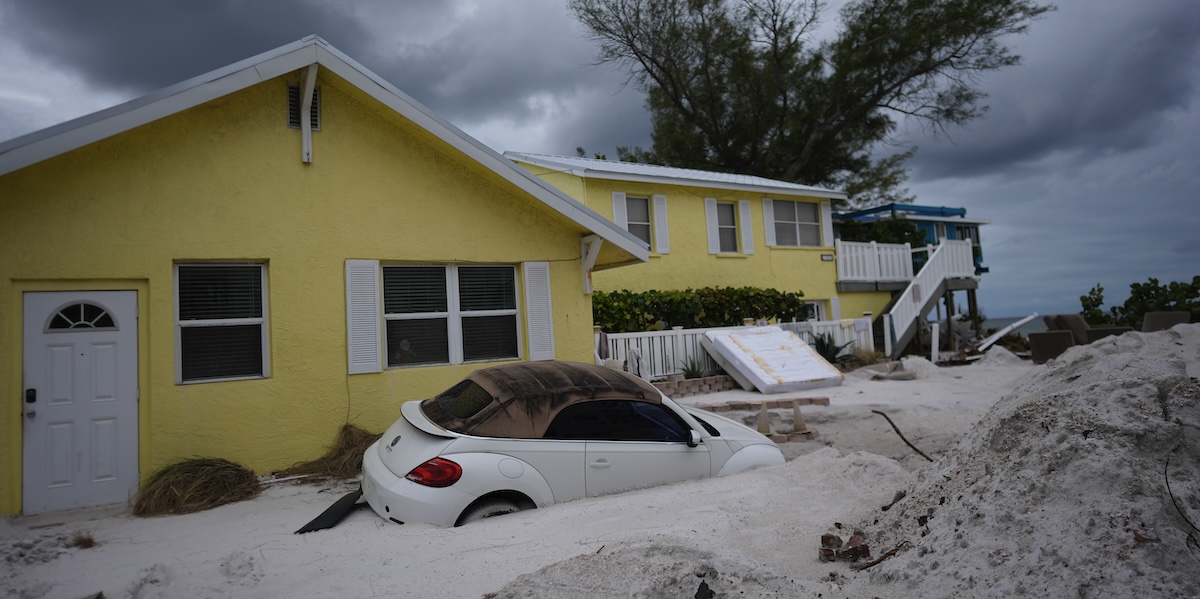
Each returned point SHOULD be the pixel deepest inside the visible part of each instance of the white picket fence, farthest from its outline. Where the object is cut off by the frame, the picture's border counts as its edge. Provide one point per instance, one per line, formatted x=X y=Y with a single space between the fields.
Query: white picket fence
x=669 y=352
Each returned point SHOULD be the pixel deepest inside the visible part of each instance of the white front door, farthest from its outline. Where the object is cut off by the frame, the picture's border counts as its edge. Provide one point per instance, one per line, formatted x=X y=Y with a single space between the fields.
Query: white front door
x=79 y=403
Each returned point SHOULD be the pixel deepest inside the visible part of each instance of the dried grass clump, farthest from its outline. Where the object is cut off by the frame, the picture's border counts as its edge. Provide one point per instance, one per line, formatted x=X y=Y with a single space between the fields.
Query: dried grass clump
x=195 y=485
x=83 y=540
x=866 y=357
x=343 y=460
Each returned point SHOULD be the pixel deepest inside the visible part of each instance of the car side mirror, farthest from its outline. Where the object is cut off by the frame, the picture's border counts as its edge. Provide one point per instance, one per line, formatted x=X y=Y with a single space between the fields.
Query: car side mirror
x=693 y=438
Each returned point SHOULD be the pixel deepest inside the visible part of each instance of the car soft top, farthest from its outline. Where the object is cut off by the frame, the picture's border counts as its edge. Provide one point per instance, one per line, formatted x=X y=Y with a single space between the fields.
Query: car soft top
x=519 y=400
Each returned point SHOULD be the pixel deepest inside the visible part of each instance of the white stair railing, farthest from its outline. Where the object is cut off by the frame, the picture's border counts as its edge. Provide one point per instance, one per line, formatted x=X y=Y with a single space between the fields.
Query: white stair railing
x=952 y=259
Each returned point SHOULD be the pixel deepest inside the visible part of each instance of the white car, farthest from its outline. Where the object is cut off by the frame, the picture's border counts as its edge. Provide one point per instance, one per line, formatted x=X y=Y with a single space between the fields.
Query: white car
x=532 y=434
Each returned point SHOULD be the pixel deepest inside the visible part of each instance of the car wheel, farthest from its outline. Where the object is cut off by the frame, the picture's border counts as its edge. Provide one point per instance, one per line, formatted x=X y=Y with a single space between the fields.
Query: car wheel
x=487 y=509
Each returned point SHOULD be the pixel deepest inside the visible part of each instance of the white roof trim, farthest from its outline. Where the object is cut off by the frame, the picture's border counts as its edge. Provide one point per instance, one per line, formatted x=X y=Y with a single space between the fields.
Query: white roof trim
x=588 y=168
x=35 y=147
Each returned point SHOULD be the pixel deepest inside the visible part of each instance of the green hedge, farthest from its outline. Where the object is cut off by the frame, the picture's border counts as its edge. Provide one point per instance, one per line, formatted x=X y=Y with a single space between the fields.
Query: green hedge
x=629 y=312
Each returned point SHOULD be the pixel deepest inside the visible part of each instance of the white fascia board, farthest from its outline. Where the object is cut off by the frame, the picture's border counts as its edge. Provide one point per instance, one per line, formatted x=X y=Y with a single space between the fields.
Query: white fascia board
x=813 y=192
x=393 y=98
x=941 y=219
x=47 y=143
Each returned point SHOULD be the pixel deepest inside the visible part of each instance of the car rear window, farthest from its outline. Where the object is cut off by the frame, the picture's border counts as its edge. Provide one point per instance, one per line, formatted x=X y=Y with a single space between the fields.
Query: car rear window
x=463 y=400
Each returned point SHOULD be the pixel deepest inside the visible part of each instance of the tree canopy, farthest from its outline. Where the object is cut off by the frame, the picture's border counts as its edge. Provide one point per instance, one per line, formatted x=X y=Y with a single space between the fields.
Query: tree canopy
x=745 y=85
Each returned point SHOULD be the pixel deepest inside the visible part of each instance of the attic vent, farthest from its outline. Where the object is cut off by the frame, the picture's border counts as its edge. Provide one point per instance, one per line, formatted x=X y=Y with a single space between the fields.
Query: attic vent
x=294 y=108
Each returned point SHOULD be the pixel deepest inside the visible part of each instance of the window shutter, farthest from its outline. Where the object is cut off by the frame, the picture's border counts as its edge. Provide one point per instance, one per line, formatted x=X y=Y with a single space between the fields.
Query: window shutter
x=769 y=221
x=710 y=220
x=538 y=318
x=362 y=316
x=746 y=226
x=619 y=215
x=662 y=242
x=826 y=223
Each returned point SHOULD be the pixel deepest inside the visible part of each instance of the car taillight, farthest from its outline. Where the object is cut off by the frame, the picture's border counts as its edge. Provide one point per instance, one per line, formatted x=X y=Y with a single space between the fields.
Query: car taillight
x=436 y=473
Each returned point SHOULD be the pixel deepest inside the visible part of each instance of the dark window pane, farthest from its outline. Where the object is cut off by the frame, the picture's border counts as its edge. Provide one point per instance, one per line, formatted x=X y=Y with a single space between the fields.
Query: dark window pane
x=487 y=288
x=725 y=215
x=613 y=420
x=463 y=400
x=728 y=239
x=417 y=342
x=806 y=212
x=784 y=211
x=785 y=234
x=489 y=337
x=414 y=289
x=640 y=231
x=221 y=352
x=637 y=210
x=211 y=292
x=810 y=235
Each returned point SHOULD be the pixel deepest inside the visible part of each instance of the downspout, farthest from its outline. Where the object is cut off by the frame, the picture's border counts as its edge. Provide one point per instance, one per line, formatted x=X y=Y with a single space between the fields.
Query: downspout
x=310 y=85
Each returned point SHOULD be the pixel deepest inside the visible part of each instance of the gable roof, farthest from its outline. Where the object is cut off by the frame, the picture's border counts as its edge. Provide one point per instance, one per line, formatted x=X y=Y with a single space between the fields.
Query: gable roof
x=20 y=152
x=589 y=168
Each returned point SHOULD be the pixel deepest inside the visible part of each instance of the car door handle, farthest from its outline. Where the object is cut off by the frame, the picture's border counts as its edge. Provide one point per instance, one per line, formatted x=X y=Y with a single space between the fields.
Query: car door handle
x=600 y=463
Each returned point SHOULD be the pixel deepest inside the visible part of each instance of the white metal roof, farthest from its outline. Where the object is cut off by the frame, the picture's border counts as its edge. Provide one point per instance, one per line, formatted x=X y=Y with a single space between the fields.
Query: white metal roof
x=20 y=152
x=650 y=173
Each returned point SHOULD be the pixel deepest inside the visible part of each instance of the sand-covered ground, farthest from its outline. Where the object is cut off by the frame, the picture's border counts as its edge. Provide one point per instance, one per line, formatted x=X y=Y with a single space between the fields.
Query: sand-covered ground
x=1078 y=478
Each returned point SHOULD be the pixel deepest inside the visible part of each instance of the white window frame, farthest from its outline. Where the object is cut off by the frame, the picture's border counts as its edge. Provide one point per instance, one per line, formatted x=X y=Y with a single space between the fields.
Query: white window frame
x=649 y=224
x=771 y=219
x=656 y=210
x=454 y=315
x=264 y=337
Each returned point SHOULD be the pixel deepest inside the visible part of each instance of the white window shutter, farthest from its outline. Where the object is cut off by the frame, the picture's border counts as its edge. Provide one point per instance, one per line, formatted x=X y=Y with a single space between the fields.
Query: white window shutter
x=769 y=221
x=362 y=316
x=746 y=226
x=620 y=215
x=539 y=319
x=662 y=242
x=710 y=220
x=835 y=306
x=826 y=223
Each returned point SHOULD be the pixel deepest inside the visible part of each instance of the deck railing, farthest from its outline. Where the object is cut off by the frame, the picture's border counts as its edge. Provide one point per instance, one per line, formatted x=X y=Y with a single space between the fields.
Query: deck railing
x=668 y=352
x=871 y=261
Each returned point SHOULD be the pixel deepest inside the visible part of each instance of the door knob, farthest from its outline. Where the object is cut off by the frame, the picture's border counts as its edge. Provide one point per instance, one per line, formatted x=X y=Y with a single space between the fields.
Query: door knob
x=30 y=413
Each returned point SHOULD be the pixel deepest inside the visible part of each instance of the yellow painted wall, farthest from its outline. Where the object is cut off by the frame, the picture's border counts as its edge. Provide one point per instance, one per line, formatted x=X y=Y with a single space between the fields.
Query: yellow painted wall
x=224 y=181
x=855 y=303
x=689 y=265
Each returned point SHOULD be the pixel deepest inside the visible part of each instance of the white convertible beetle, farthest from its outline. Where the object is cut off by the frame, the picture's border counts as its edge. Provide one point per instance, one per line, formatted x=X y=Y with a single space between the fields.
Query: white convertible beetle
x=532 y=434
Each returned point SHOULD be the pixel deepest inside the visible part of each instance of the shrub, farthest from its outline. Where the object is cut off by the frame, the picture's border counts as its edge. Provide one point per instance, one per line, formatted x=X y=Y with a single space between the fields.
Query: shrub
x=627 y=311
x=829 y=349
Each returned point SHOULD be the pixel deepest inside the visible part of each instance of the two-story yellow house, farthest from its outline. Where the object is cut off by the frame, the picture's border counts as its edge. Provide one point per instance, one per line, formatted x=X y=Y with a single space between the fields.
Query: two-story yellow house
x=239 y=264
x=710 y=229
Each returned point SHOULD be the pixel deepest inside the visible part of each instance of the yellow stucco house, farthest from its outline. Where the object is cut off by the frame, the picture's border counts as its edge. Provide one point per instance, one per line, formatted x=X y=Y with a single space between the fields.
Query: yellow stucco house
x=710 y=229
x=238 y=265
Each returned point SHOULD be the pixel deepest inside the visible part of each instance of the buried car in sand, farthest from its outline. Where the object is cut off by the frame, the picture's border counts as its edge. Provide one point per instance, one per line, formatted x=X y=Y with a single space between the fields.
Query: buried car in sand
x=532 y=434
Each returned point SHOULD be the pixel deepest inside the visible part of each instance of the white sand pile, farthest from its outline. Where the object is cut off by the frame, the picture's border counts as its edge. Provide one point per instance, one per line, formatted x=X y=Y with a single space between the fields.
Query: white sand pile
x=1062 y=489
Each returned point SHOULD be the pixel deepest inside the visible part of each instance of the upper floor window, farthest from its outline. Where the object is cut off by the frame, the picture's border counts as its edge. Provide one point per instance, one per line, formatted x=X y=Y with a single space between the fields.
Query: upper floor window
x=644 y=217
x=727 y=227
x=220 y=321
x=796 y=223
x=967 y=232
x=637 y=212
x=449 y=314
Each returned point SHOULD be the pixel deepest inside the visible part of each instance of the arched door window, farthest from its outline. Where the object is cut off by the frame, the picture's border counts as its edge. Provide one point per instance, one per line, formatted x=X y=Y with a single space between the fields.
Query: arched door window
x=81 y=315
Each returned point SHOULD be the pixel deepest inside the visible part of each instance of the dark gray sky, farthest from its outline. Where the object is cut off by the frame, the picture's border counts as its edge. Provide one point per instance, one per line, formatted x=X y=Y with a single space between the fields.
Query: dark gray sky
x=1087 y=165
